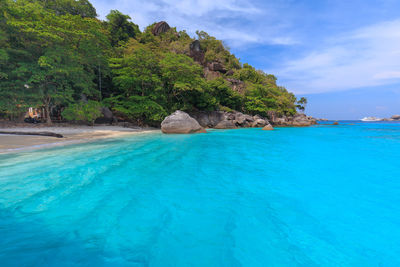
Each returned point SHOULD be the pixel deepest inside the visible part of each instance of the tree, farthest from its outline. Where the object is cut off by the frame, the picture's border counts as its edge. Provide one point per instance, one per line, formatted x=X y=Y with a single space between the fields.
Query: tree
x=54 y=52
x=224 y=94
x=120 y=28
x=141 y=96
x=301 y=104
x=82 y=8
x=53 y=57
x=186 y=88
x=137 y=73
x=141 y=109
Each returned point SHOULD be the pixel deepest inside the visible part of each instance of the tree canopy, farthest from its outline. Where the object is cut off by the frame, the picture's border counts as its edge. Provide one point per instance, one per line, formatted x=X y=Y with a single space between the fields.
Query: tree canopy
x=56 y=53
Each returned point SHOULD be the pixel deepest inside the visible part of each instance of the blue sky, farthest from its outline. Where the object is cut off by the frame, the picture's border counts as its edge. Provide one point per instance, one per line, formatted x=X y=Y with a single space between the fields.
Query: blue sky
x=344 y=56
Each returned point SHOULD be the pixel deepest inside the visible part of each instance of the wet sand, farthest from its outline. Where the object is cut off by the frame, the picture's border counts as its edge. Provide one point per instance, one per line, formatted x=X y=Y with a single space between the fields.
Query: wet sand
x=72 y=135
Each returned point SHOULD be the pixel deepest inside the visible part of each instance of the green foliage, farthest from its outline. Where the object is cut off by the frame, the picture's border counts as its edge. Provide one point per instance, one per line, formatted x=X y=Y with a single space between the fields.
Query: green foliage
x=224 y=94
x=137 y=73
x=55 y=56
x=184 y=83
x=141 y=109
x=53 y=52
x=82 y=8
x=215 y=50
x=301 y=104
x=83 y=112
x=120 y=28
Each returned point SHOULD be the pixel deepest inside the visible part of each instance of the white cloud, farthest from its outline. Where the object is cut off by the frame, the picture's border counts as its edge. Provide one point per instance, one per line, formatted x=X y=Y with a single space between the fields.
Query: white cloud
x=238 y=22
x=369 y=56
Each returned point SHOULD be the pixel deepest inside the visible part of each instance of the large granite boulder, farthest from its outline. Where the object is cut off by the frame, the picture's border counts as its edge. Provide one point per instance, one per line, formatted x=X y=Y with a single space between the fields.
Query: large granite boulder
x=160 y=27
x=180 y=122
x=108 y=116
x=107 y=113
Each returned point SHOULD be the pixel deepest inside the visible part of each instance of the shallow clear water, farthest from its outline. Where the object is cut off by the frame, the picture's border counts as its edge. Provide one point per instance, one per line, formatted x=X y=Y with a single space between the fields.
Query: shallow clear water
x=317 y=196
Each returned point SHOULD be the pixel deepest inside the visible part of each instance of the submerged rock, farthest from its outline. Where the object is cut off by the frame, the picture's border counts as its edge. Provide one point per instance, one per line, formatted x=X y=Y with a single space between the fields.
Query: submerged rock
x=268 y=127
x=180 y=122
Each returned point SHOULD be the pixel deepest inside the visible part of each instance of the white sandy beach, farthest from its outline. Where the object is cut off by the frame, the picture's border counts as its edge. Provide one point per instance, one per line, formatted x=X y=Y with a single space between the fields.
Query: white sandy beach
x=72 y=135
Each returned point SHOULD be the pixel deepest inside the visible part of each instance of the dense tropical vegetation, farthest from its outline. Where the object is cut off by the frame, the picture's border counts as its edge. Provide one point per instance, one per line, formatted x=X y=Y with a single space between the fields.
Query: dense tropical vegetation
x=58 y=55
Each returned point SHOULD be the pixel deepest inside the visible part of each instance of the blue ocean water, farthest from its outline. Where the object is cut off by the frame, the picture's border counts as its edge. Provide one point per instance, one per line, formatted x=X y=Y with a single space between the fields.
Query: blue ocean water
x=317 y=196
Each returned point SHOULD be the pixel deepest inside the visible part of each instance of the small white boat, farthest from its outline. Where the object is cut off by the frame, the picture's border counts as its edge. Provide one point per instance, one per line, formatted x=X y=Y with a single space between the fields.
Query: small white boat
x=371 y=119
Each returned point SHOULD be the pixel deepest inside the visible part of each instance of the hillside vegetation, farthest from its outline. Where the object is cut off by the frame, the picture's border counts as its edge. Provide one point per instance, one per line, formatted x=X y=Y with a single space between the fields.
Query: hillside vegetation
x=58 y=56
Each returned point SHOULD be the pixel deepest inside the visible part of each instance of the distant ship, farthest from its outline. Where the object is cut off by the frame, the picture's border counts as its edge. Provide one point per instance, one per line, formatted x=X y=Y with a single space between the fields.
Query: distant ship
x=371 y=119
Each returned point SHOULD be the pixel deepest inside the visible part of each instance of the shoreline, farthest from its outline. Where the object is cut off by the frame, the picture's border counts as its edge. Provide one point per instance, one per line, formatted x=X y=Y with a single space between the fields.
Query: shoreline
x=72 y=135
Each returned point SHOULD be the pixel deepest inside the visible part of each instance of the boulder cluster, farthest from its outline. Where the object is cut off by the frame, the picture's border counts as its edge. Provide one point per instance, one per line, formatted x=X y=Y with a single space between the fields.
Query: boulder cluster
x=180 y=122
x=297 y=120
x=228 y=120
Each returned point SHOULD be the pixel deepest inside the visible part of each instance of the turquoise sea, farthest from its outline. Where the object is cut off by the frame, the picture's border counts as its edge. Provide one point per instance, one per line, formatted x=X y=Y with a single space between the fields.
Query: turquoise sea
x=317 y=196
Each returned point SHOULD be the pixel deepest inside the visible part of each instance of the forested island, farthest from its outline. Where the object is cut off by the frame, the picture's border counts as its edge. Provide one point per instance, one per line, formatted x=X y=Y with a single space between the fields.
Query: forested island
x=59 y=58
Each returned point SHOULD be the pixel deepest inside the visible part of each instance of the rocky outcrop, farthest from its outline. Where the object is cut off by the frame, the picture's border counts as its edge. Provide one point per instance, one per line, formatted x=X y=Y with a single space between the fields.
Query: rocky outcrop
x=211 y=75
x=226 y=124
x=216 y=66
x=180 y=122
x=259 y=123
x=214 y=70
x=208 y=119
x=196 y=53
x=230 y=73
x=228 y=120
x=160 y=27
x=237 y=85
x=298 y=120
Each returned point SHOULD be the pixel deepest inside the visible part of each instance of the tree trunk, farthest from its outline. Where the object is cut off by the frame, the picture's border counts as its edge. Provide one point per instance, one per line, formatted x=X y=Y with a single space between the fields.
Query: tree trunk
x=47 y=107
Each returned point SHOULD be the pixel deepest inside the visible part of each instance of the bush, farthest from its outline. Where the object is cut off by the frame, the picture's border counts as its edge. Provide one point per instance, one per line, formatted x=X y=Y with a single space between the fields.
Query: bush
x=83 y=112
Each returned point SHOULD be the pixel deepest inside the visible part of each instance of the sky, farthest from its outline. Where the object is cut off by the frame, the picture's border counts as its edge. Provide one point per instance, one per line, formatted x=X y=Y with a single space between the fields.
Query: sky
x=343 y=55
